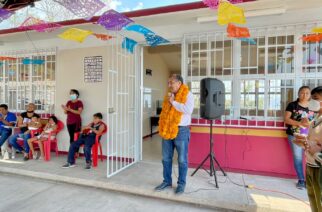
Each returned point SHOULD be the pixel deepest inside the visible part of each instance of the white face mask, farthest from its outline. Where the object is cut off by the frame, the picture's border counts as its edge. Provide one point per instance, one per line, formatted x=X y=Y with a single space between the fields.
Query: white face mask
x=73 y=96
x=314 y=105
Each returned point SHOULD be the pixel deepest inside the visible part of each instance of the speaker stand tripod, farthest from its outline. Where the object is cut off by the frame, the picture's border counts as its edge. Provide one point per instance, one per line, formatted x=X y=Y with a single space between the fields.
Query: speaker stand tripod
x=213 y=160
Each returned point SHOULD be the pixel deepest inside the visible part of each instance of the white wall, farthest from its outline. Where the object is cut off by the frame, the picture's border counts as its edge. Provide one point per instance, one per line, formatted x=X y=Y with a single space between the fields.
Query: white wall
x=157 y=82
x=70 y=75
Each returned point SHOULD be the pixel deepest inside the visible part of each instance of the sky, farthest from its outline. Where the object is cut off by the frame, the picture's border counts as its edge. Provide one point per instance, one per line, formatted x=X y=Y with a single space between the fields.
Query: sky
x=118 y=5
x=127 y=5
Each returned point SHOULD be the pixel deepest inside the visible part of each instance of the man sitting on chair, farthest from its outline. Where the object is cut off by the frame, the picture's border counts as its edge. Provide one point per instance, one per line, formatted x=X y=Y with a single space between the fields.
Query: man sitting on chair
x=22 y=124
x=7 y=120
x=87 y=138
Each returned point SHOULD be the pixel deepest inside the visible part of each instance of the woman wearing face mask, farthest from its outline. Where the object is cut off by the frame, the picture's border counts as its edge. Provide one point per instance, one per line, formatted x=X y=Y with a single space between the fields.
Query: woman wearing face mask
x=73 y=109
x=297 y=117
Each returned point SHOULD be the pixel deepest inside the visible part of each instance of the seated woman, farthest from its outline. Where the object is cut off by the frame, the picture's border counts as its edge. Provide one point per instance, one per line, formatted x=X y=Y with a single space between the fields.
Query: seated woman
x=87 y=137
x=34 y=124
x=50 y=127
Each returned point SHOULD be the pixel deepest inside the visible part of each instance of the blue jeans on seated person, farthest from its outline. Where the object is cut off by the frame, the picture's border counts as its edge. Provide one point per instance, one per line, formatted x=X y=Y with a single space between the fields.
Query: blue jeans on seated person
x=297 y=158
x=13 y=142
x=4 y=135
x=88 y=141
x=181 y=143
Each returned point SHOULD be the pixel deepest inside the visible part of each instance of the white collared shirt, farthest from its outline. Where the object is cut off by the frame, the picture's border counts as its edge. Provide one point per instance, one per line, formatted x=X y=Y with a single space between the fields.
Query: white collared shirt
x=186 y=109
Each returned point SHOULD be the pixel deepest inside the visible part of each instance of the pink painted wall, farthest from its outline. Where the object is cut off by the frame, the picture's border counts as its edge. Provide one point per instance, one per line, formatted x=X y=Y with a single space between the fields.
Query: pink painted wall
x=270 y=155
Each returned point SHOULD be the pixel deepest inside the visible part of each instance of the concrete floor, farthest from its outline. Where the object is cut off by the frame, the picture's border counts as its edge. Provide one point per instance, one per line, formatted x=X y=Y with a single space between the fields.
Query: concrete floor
x=141 y=178
x=28 y=194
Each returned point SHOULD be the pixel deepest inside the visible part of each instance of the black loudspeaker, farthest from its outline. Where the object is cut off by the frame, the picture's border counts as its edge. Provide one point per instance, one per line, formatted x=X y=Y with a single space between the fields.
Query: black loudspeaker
x=212 y=98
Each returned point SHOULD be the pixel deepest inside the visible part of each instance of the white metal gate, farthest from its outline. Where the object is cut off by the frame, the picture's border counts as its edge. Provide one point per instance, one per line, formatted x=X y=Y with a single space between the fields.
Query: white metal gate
x=124 y=120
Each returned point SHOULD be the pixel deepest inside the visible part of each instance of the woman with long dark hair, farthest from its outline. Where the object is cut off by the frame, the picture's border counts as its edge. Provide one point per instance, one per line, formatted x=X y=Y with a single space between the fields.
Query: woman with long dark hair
x=297 y=117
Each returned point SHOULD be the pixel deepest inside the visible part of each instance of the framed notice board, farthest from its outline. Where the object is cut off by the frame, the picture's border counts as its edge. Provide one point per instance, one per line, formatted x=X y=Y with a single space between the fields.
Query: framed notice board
x=93 y=69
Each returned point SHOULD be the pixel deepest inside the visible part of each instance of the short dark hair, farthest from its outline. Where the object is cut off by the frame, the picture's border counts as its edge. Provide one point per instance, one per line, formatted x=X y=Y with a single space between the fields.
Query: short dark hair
x=317 y=90
x=54 y=118
x=36 y=115
x=178 y=77
x=4 y=106
x=75 y=92
x=98 y=115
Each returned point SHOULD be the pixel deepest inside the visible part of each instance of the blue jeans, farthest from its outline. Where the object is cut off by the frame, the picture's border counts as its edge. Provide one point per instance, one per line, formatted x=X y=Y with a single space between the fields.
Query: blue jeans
x=13 y=142
x=181 y=143
x=297 y=157
x=4 y=135
x=88 y=142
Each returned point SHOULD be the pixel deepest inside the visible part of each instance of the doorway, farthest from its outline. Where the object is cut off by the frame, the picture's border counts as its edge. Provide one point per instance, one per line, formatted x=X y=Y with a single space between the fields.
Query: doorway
x=158 y=64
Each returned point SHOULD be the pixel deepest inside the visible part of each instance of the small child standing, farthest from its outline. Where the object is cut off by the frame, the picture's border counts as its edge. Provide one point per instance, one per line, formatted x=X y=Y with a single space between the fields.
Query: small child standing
x=50 y=128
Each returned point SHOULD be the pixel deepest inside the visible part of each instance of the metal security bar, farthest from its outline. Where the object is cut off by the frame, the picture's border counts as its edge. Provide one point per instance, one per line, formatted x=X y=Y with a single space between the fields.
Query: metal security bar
x=123 y=106
x=260 y=79
x=22 y=84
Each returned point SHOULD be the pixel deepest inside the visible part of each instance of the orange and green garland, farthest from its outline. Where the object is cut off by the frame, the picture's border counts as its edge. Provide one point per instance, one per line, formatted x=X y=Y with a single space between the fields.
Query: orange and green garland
x=170 y=117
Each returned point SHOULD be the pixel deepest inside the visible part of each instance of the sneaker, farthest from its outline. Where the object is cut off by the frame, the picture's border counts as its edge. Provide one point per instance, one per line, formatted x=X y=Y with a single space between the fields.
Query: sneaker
x=6 y=155
x=301 y=184
x=3 y=150
x=162 y=186
x=180 y=189
x=35 y=156
x=68 y=165
x=88 y=166
x=25 y=158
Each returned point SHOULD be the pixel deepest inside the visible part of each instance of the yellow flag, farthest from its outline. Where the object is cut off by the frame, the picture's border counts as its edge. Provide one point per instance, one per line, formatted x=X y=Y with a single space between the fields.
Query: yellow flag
x=75 y=34
x=229 y=13
x=317 y=30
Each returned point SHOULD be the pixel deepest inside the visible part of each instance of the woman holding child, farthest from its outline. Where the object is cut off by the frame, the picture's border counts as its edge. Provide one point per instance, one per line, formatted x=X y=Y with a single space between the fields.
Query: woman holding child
x=297 y=117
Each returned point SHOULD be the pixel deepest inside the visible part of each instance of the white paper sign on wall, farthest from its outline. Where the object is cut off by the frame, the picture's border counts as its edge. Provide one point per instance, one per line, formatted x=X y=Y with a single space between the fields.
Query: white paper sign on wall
x=93 y=69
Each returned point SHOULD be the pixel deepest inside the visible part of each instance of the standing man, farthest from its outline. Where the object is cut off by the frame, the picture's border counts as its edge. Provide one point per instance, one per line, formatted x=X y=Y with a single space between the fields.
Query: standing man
x=7 y=120
x=175 y=119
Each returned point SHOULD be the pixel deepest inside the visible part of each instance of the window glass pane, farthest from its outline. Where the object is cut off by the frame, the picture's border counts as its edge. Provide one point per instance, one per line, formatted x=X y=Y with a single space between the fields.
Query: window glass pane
x=22 y=84
x=280 y=93
x=252 y=98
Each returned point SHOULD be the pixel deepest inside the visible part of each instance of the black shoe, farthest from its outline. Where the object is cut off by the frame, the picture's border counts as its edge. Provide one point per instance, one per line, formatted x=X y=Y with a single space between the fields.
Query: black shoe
x=301 y=184
x=162 y=186
x=25 y=158
x=180 y=189
x=68 y=165
x=88 y=166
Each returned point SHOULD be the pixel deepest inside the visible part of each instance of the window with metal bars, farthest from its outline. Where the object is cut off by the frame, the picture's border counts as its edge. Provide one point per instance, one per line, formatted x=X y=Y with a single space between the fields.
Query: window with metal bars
x=260 y=79
x=23 y=83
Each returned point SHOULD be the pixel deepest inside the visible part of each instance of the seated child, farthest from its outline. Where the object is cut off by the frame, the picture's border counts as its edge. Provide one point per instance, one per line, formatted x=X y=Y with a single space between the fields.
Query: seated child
x=87 y=137
x=50 y=127
x=34 y=124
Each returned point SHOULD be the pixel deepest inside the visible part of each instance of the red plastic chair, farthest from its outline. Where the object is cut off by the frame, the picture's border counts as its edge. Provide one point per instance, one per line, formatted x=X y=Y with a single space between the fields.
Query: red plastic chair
x=20 y=141
x=96 y=145
x=49 y=142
